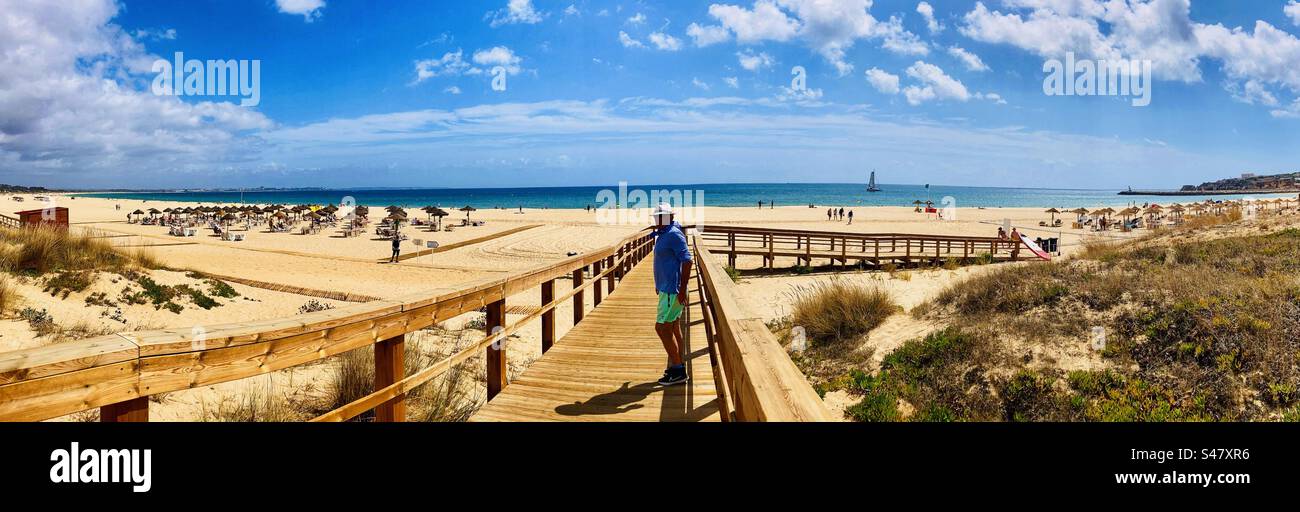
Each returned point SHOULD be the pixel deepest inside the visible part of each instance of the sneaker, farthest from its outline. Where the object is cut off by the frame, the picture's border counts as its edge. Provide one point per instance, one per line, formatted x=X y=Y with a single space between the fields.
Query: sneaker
x=673 y=377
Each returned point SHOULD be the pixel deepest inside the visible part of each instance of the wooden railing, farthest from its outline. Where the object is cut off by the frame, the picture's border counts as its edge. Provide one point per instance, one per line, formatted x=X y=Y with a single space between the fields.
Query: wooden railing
x=755 y=378
x=118 y=373
x=9 y=222
x=873 y=248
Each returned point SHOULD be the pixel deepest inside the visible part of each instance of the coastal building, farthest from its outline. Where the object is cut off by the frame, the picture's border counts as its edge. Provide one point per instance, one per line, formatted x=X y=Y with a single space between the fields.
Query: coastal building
x=57 y=216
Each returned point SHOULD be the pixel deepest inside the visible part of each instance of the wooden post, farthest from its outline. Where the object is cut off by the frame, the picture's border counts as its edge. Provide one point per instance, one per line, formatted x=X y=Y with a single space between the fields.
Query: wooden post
x=609 y=279
x=578 y=303
x=131 y=411
x=596 y=289
x=496 y=354
x=548 y=318
x=622 y=266
x=390 y=367
x=771 y=259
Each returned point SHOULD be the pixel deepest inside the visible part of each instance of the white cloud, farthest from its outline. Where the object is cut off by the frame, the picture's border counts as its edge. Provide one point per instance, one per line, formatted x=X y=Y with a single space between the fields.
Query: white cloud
x=636 y=19
x=991 y=96
x=454 y=63
x=665 y=42
x=927 y=12
x=499 y=56
x=972 y=61
x=707 y=35
x=308 y=9
x=452 y=90
x=935 y=85
x=155 y=35
x=754 y=61
x=748 y=139
x=883 y=81
x=732 y=82
x=1251 y=93
x=762 y=23
x=830 y=28
x=515 y=12
x=1290 y=112
x=1161 y=31
x=450 y=64
x=1292 y=10
x=572 y=10
x=700 y=84
x=74 y=100
x=628 y=41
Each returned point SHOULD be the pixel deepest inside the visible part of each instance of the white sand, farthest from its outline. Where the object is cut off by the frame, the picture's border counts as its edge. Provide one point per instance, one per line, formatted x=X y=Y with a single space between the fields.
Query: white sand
x=326 y=261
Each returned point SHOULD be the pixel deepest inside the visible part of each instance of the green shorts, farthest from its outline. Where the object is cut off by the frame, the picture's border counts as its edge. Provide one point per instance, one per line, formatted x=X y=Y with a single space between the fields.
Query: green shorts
x=669 y=308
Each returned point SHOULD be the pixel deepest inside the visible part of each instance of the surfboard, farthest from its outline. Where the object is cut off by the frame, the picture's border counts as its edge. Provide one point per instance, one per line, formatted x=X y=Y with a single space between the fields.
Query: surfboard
x=1038 y=251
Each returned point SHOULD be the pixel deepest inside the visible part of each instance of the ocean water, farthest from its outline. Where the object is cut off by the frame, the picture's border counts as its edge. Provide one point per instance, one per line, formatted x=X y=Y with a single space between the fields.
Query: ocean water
x=734 y=194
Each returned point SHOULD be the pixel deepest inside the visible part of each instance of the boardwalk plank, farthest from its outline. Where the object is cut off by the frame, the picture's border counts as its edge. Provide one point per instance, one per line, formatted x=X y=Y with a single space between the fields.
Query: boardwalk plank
x=605 y=368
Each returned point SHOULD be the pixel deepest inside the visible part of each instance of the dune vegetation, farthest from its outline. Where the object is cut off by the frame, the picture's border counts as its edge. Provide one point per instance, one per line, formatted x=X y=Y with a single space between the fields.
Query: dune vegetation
x=1181 y=326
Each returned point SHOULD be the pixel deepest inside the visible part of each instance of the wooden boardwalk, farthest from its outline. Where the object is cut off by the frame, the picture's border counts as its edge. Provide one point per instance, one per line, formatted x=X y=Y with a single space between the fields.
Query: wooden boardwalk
x=605 y=368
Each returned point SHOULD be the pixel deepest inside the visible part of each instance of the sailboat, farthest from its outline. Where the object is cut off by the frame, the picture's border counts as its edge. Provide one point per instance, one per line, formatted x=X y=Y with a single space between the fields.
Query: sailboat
x=871 y=187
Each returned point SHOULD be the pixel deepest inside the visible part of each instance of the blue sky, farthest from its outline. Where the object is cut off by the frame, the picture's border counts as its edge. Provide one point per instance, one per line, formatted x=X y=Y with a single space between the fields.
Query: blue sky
x=400 y=93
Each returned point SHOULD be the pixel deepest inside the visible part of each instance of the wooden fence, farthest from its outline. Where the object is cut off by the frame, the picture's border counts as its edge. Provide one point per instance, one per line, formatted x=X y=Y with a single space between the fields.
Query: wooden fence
x=756 y=379
x=118 y=373
x=876 y=249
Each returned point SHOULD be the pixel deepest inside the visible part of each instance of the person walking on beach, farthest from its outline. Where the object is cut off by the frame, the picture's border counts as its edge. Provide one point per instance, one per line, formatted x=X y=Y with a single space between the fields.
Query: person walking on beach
x=672 y=268
x=397 y=247
x=841 y=213
x=850 y=217
x=830 y=214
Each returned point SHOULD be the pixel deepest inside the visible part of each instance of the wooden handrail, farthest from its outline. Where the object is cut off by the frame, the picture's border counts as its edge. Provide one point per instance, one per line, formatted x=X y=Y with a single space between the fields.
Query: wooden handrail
x=875 y=248
x=379 y=397
x=714 y=231
x=51 y=381
x=9 y=222
x=762 y=381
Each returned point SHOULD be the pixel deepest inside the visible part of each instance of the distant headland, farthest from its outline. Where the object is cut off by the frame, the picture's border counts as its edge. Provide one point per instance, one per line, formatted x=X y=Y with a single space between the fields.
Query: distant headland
x=1247 y=184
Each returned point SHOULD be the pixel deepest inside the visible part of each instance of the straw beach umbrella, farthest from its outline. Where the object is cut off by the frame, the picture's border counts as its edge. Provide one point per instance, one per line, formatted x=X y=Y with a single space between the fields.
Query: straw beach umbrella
x=1053 y=211
x=468 y=209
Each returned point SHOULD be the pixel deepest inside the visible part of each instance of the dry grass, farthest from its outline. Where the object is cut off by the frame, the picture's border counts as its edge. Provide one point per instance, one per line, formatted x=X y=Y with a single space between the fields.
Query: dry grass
x=8 y=295
x=449 y=397
x=256 y=405
x=44 y=249
x=1199 y=330
x=834 y=310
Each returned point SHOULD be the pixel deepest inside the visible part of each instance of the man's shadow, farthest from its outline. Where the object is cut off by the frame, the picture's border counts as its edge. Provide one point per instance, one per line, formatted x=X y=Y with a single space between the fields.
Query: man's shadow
x=619 y=401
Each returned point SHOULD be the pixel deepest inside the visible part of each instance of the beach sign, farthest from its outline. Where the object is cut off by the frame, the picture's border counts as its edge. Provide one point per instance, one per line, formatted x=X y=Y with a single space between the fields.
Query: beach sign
x=432 y=244
x=1038 y=251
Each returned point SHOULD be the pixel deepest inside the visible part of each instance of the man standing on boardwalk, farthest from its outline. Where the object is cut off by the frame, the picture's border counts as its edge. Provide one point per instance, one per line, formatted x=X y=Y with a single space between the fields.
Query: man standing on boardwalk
x=672 y=266
x=397 y=248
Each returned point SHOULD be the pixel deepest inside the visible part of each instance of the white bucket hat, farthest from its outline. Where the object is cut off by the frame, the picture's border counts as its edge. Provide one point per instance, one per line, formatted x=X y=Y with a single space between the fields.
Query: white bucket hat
x=664 y=209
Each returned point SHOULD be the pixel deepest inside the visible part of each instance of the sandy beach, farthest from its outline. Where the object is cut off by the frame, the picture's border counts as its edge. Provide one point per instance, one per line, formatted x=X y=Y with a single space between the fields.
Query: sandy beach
x=510 y=241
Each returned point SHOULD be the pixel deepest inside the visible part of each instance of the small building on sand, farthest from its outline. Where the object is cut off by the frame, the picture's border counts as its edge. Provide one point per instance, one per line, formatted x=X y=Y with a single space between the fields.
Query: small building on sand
x=57 y=216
